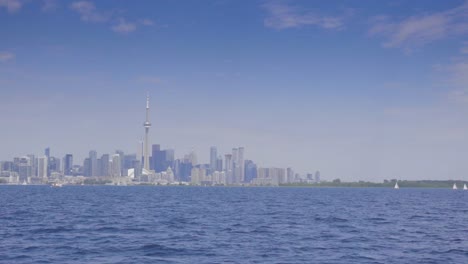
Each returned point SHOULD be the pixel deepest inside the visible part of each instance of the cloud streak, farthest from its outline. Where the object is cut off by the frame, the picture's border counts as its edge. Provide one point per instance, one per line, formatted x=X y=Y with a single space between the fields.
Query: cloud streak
x=49 y=5
x=419 y=30
x=283 y=16
x=6 y=56
x=11 y=5
x=88 y=12
x=124 y=27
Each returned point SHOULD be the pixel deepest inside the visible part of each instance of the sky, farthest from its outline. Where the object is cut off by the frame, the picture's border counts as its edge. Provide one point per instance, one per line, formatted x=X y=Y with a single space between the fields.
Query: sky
x=360 y=90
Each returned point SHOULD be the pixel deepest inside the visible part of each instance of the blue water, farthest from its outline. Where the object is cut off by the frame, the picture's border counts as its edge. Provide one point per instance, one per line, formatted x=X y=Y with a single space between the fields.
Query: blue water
x=103 y=224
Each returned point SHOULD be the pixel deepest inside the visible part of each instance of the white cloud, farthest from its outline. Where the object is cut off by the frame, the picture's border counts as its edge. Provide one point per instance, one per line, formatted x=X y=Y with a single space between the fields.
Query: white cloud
x=147 y=22
x=124 y=27
x=11 y=5
x=6 y=56
x=282 y=16
x=419 y=30
x=87 y=11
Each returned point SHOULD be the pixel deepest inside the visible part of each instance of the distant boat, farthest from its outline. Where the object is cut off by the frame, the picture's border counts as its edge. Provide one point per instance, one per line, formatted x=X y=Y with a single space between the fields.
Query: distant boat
x=24 y=183
x=396 y=186
x=464 y=187
x=455 y=186
x=56 y=185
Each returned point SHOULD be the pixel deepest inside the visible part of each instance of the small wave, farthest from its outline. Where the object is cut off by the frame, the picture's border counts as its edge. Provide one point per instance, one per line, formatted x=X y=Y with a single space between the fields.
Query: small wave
x=151 y=250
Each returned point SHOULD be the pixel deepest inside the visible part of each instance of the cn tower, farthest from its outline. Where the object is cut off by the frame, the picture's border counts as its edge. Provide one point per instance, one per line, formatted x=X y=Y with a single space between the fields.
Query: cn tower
x=147 y=126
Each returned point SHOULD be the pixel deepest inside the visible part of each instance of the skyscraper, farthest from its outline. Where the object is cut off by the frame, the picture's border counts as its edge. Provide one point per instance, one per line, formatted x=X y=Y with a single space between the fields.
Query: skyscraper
x=147 y=126
x=68 y=164
x=213 y=158
x=116 y=166
x=93 y=163
x=42 y=167
x=104 y=168
x=240 y=159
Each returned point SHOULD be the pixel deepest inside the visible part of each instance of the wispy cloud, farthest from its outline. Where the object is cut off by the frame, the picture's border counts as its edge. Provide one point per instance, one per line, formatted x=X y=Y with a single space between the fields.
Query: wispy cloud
x=124 y=26
x=456 y=77
x=147 y=22
x=88 y=12
x=282 y=15
x=6 y=56
x=49 y=5
x=418 y=30
x=11 y=5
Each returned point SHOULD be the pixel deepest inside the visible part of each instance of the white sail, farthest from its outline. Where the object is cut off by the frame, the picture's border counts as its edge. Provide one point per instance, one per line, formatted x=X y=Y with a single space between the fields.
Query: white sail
x=455 y=186
x=464 y=187
x=396 y=186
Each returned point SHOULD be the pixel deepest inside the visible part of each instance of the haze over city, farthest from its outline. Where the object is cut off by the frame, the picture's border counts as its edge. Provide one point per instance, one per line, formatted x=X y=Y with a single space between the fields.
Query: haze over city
x=360 y=90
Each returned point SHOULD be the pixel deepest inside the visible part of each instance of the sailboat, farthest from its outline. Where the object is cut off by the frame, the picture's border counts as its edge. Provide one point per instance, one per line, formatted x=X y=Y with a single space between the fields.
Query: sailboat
x=455 y=186
x=396 y=186
x=464 y=187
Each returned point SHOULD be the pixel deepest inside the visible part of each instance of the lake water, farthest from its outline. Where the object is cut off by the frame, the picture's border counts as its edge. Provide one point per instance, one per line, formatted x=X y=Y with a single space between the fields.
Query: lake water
x=104 y=224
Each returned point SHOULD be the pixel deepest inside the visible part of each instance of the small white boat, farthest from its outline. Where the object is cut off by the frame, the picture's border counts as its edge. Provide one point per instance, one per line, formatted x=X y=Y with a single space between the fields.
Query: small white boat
x=24 y=183
x=464 y=187
x=396 y=186
x=56 y=185
x=455 y=186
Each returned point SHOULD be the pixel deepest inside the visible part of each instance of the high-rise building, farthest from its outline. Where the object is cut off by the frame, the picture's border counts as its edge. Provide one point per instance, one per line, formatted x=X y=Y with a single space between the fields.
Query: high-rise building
x=228 y=168
x=42 y=167
x=213 y=158
x=290 y=175
x=235 y=155
x=317 y=176
x=47 y=154
x=250 y=171
x=161 y=159
x=147 y=126
x=116 y=166
x=192 y=156
x=219 y=164
x=68 y=164
x=87 y=167
x=129 y=161
x=240 y=160
x=121 y=154
x=93 y=163
x=169 y=162
x=53 y=165
x=104 y=168
x=33 y=162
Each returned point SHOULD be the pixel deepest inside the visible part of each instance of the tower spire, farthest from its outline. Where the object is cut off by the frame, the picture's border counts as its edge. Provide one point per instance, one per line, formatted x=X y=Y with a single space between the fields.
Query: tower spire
x=147 y=126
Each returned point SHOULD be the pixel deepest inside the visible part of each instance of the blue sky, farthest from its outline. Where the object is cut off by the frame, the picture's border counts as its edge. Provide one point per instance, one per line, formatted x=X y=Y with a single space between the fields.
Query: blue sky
x=360 y=90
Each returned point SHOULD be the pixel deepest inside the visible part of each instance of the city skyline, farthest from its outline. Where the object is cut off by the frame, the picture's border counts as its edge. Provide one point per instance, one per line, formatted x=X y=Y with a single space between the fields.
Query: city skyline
x=358 y=90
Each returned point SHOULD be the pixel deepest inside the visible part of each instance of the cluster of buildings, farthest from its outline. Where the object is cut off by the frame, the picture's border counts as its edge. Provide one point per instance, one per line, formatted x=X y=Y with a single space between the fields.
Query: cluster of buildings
x=153 y=166
x=164 y=169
